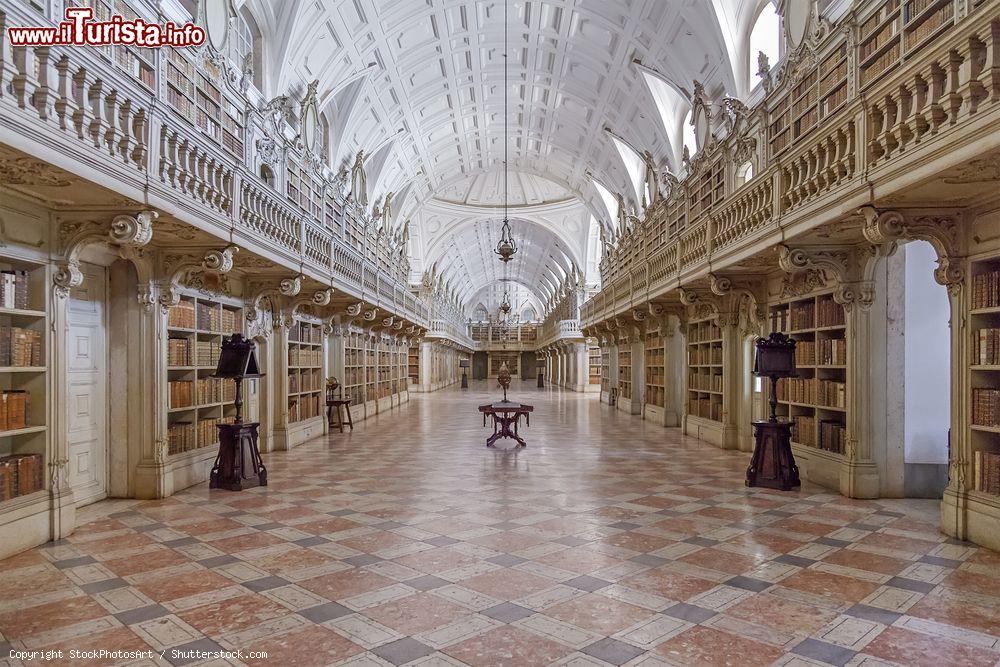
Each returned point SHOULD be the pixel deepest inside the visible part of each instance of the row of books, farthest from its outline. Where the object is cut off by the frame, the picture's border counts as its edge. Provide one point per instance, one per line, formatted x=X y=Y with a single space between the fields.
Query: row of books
x=186 y=436
x=701 y=356
x=20 y=347
x=823 y=352
x=15 y=406
x=986 y=290
x=303 y=332
x=14 y=289
x=986 y=407
x=21 y=474
x=303 y=407
x=706 y=408
x=178 y=352
x=874 y=69
x=927 y=27
x=309 y=381
x=206 y=391
x=305 y=356
x=654 y=395
x=986 y=472
x=704 y=331
x=206 y=317
x=705 y=381
x=987 y=351
x=813 y=391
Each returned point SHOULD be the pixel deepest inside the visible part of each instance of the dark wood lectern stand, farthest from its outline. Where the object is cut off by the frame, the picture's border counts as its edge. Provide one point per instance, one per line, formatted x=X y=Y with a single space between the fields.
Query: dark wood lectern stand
x=772 y=464
x=238 y=451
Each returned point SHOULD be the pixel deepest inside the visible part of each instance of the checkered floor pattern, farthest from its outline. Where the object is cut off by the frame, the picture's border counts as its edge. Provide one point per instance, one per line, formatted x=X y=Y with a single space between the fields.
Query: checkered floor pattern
x=607 y=540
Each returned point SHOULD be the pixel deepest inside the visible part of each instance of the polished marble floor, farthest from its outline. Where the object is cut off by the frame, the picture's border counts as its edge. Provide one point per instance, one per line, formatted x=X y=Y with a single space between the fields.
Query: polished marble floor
x=607 y=541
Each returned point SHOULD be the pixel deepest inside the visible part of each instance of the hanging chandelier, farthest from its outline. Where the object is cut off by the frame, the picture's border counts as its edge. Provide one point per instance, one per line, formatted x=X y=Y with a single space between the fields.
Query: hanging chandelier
x=506 y=247
x=505 y=303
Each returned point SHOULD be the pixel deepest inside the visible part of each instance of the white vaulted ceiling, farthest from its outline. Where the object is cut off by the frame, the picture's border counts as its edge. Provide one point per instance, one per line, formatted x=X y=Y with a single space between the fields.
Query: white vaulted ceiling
x=420 y=83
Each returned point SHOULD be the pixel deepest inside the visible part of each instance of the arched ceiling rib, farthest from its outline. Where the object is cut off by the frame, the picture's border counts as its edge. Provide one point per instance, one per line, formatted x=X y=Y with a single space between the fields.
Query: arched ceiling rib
x=437 y=81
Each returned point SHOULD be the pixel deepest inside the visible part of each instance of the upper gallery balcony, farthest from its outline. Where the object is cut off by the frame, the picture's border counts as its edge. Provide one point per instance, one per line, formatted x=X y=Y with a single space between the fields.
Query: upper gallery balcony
x=894 y=93
x=177 y=130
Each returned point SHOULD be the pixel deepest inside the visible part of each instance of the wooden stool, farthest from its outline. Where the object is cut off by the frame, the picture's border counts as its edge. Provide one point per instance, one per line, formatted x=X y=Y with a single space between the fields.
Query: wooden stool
x=333 y=406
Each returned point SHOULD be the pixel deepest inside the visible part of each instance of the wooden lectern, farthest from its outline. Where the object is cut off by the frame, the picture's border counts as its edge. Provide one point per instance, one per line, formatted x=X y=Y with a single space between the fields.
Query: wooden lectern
x=773 y=464
x=238 y=450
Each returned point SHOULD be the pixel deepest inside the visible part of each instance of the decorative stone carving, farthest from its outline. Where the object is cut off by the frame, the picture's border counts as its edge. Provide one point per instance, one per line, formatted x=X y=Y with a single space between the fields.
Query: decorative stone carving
x=940 y=230
x=185 y=269
x=268 y=151
x=359 y=181
x=128 y=233
x=847 y=268
x=29 y=171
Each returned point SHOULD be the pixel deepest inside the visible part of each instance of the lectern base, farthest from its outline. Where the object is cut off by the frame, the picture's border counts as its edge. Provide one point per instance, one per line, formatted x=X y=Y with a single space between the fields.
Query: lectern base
x=238 y=456
x=773 y=465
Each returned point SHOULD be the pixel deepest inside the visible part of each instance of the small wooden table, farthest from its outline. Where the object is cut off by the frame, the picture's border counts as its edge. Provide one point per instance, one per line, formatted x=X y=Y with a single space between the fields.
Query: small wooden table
x=333 y=406
x=506 y=414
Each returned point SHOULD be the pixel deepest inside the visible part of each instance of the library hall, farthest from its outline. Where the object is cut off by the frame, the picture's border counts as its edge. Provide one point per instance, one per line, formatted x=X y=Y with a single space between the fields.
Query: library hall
x=500 y=333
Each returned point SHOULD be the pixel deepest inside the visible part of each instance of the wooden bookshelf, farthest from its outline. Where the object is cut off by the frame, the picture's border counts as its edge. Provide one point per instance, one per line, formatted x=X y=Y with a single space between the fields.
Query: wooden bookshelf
x=705 y=369
x=413 y=364
x=655 y=370
x=815 y=401
x=24 y=371
x=197 y=402
x=371 y=369
x=593 y=363
x=984 y=373
x=305 y=371
x=605 y=369
x=707 y=189
x=195 y=97
x=624 y=372
x=354 y=368
x=878 y=42
x=510 y=358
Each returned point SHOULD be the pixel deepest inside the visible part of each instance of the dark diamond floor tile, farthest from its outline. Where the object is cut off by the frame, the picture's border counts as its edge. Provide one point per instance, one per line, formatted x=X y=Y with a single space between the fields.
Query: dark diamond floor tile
x=875 y=614
x=507 y=612
x=612 y=651
x=587 y=583
x=142 y=614
x=689 y=612
x=749 y=583
x=910 y=585
x=265 y=583
x=402 y=651
x=325 y=612
x=828 y=653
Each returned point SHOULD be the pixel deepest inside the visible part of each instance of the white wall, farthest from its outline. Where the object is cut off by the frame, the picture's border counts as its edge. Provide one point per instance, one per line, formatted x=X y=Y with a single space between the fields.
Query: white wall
x=928 y=401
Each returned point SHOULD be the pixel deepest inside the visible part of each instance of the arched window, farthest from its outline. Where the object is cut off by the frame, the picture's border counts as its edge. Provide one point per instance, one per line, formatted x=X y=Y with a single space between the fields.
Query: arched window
x=687 y=133
x=267 y=175
x=528 y=315
x=765 y=37
x=744 y=173
x=246 y=45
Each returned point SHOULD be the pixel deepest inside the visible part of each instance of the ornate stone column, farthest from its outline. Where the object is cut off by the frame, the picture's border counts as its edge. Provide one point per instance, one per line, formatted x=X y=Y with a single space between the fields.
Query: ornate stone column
x=850 y=270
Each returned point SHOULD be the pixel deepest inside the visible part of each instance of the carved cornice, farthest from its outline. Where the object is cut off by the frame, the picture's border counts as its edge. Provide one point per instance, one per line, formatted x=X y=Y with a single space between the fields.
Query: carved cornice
x=941 y=230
